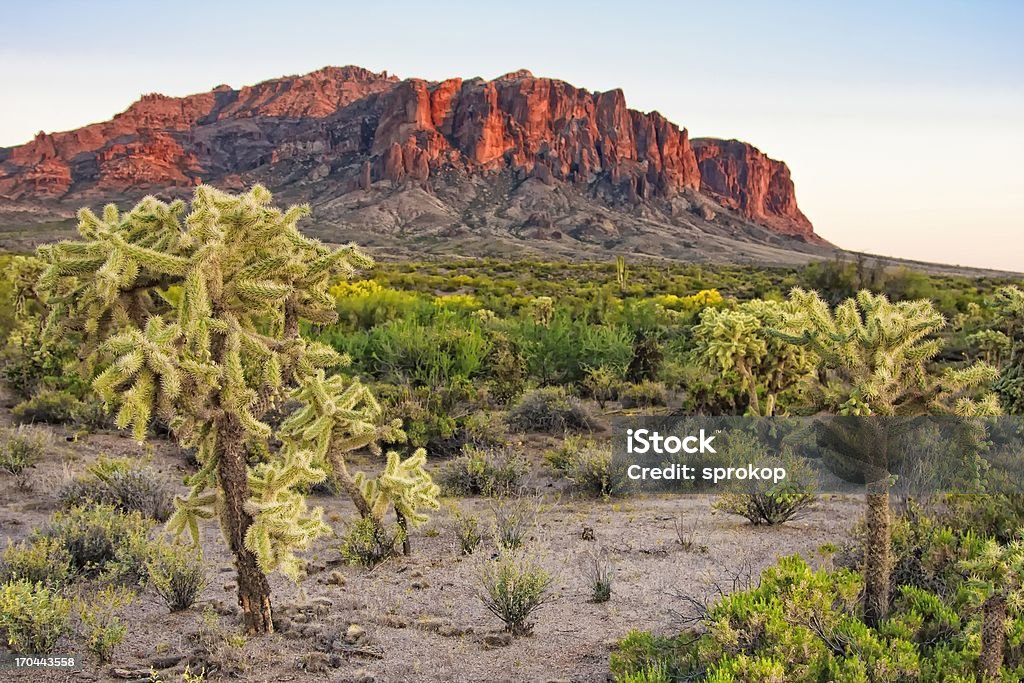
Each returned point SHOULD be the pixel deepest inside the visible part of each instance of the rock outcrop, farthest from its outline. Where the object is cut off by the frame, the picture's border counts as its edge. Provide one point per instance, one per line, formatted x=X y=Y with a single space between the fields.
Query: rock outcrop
x=342 y=130
x=739 y=176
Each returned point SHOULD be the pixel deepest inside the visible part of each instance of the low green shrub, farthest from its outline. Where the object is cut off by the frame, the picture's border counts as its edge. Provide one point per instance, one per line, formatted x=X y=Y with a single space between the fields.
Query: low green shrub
x=21 y=448
x=32 y=616
x=44 y=561
x=125 y=485
x=646 y=394
x=603 y=384
x=177 y=574
x=49 y=406
x=101 y=626
x=483 y=471
x=591 y=470
x=776 y=505
x=513 y=587
x=550 y=410
x=514 y=518
x=368 y=544
x=467 y=531
x=102 y=539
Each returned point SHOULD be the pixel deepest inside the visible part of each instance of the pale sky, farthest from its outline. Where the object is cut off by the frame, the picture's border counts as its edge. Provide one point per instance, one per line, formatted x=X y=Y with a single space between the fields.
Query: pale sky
x=902 y=122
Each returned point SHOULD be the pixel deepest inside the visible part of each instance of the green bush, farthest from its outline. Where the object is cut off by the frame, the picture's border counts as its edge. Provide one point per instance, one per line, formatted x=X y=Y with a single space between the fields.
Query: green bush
x=125 y=485
x=550 y=410
x=177 y=574
x=484 y=471
x=467 y=531
x=32 y=616
x=21 y=448
x=102 y=628
x=102 y=539
x=44 y=561
x=602 y=384
x=514 y=518
x=48 y=407
x=367 y=544
x=590 y=471
x=513 y=588
x=643 y=395
x=775 y=505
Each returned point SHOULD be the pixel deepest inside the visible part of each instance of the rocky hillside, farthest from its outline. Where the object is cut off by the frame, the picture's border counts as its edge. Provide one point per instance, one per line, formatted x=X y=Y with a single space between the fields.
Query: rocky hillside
x=517 y=161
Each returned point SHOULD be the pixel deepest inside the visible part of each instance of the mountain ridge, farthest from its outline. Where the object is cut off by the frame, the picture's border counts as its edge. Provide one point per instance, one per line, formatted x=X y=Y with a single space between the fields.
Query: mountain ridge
x=514 y=158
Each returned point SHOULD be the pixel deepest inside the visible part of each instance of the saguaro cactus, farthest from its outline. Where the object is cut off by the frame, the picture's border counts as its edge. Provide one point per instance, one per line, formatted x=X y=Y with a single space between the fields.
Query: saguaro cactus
x=195 y=320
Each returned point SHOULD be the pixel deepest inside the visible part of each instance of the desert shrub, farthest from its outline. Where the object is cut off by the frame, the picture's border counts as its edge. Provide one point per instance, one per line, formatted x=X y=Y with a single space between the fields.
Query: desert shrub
x=585 y=463
x=646 y=394
x=591 y=470
x=32 y=616
x=513 y=587
x=125 y=485
x=561 y=459
x=368 y=544
x=602 y=384
x=550 y=410
x=644 y=657
x=49 y=406
x=776 y=505
x=487 y=471
x=598 y=571
x=513 y=520
x=177 y=574
x=506 y=369
x=102 y=628
x=21 y=448
x=44 y=561
x=102 y=539
x=997 y=516
x=467 y=531
x=484 y=428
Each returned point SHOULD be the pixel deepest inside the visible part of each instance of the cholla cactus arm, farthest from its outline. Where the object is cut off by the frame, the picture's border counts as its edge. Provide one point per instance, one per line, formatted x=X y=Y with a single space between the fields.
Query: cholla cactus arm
x=403 y=484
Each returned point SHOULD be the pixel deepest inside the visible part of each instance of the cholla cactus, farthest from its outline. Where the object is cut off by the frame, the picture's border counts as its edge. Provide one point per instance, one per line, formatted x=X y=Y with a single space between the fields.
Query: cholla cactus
x=996 y=575
x=738 y=341
x=195 y=319
x=1009 y=304
x=878 y=354
x=338 y=417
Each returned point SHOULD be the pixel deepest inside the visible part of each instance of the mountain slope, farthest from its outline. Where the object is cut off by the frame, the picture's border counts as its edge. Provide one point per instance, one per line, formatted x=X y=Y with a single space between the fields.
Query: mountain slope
x=515 y=162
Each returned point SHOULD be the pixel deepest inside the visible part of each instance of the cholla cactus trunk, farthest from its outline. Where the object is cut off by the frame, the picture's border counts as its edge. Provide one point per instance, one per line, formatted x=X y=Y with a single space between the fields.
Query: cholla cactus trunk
x=993 y=636
x=877 y=558
x=253 y=587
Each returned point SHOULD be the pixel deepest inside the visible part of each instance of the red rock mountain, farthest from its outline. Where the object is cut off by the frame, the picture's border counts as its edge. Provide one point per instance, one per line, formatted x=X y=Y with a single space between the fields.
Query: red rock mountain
x=528 y=156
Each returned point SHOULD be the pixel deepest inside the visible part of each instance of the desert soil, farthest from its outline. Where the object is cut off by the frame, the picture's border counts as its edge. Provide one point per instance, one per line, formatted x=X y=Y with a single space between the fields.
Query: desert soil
x=420 y=615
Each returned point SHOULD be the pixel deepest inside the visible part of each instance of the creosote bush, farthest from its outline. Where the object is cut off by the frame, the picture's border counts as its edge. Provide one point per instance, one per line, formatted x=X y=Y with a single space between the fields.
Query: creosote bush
x=551 y=410
x=177 y=574
x=101 y=627
x=645 y=394
x=775 y=505
x=102 y=539
x=122 y=483
x=43 y=560
x=367 y=543
x=466 y=527
x=484 y=471
x=513 y=587
x=21 y=448
x=32 y=616
x=514 y=519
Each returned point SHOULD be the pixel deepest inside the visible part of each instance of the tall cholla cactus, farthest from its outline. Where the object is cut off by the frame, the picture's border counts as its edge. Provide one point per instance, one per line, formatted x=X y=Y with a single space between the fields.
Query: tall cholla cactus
x=877 y=353
x=196 y=320
x=996 y=576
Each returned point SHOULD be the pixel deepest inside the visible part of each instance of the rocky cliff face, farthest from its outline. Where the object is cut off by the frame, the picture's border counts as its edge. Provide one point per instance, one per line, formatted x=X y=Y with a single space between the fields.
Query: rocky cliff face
x=345 y=130
x=740 y=176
